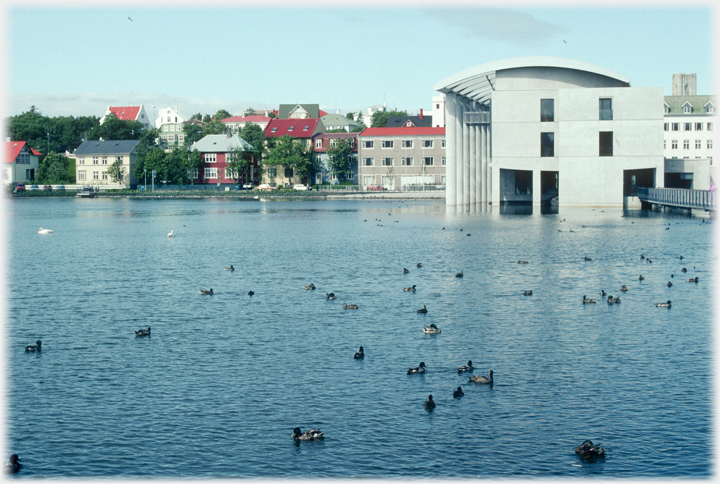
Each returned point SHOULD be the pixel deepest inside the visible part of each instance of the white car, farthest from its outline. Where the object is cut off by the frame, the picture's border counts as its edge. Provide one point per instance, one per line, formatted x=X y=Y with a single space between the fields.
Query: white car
x=265 y=186
x=247 y=186
x=300 y=186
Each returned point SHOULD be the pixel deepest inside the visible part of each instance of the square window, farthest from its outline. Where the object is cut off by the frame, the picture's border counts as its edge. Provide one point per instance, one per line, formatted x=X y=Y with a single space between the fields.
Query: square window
x=407 y=143
x=688 y=126
x=368 y=144
x=273 y=130
x=387 y=161
x=367 y=161
x=305 y=128
x=675 y=126
x=674 y=144
x=388 y=144
x=547 y=144
x=428 y=161
x=698 y=126
x=698 y=144
x=407 y=161
x=427 y=143
x=606 y=143
x=291 y=128
x=272 y=172
x=547 y=110
x=686 y=144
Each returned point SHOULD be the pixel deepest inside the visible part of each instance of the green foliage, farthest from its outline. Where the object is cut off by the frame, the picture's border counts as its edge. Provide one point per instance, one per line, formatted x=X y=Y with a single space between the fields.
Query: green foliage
x=116 y=171
x=193 y=133
x=207 y=118
x=249 y=112
x=64 y=133
x=360 y=126
x=239 y=163
x=339 y=156
x=271 y=115
x=286 y=152
x=213 y=127
x=197 y=116
x=192 y=160
x=379 y=119
x=254 y=134
x=350 y=116
x=54 y=169
x=337 y=130
x=222 y=114
x=116 y=129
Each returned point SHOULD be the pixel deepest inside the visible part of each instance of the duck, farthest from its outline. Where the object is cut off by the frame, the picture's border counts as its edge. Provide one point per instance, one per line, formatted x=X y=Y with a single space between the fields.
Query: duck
x=419 y=265
x=664 y=304
x=359 y=353
x=623 y=288
x=458 y=393
x=588 y=258
x=422 y=310
x=429 y=404
x=250 y=293
x=467 y=367
x=350 y=306
x=522 y=262
x=231 y=268
x=527 y=293
x=417 y=369
x=405 y=271
x=308 y=435
x=613 y=300
x=33 y=348
x=588 y=450
x=483 y=379
x=602 y=292
x=693 y=279
x=329 y=296
x=681 y=257
x=205 y=292
x=13 y=465
x=642 y=257
x=648 y=261
x=409 y=289
x=669 y=284
x=459 y=274
x=172 y=233
x=641 y=278
x=684 y=269
x=432 y=329
x=142 y=332
x=585 y=300
x=310 y=286
x=44 y=231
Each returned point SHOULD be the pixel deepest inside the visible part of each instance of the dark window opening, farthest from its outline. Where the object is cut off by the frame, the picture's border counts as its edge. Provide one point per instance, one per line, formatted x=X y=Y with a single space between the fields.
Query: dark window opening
x=606 y=143
x=547 y=144
x=547 y=110
x=679 y=180
x=606 y=113
x=288 y=172
x=523 y=182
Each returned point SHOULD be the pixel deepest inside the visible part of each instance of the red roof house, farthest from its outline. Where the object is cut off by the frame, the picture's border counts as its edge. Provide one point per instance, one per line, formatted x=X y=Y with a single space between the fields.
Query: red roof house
x=21 y=162
x=129 y=113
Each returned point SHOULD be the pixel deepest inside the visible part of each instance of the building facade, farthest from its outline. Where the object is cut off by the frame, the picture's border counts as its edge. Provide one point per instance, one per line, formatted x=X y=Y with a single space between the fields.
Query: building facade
x=93 y=158
x=534 y=129
x=170 y=125
x=237 y=123
x=398 y=157
x=302 y=130
x=21 y=162
x=333 y=122
x=321 y=143
x=217 y=150
x=129 y=113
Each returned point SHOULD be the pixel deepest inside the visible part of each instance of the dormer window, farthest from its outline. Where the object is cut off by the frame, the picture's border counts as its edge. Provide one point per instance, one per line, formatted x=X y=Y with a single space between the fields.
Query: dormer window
x=667 y=108
x=687 y=108
x=291 y=128
x=709 y=108
x=306 y=128
x=274 y=129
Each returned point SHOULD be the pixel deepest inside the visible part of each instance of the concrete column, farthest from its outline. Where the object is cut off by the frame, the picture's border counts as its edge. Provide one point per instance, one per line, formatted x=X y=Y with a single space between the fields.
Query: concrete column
x=459 y=111
x=484 y=168
x=473 y=164
x=536 y=190
x=478 y=163
x=450 y=158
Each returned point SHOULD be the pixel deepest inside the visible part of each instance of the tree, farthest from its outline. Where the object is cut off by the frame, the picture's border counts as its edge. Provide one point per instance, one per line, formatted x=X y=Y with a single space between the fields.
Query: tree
x=192 y=161
x=350 y=116
x=114 y=129
x=337 y=130
x=222 y=114
x=379 y=119
x=197 y=116
x=54 y=170
x=360 y=126
x=249 y=112
x=270 y=115
x=339 y=155
x=291 y=153
x=116 y=171
x=192 y=133
x=238 y=163
x=214 y=127
x=207 y=118
x=59 y=134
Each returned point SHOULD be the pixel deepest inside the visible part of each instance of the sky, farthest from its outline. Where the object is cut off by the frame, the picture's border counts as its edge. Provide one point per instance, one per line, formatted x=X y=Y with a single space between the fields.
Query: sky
x=77 y=59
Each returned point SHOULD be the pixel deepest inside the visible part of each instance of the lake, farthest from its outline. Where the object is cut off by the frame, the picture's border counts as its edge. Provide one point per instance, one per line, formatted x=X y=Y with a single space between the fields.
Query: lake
x=218 y=387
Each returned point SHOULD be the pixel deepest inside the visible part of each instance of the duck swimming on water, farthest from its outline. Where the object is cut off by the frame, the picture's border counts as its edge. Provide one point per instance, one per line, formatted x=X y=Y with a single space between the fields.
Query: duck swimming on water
x=417 y=369
x=588 y=450
x=231 y=268
x=359 y=353
x=13 y=465
x=483 y=379
x=422 y=310
x=429 y=404
x=350 y=306
x=409 y=289
x=585 y=300
x=142 y=332
x=459 y=274
x=432 y=329
x=307 y=435
x=205 y=292
x=329 y=295
x=468 y=367
x=33 y=348
x=458 y=393
x=664 y=305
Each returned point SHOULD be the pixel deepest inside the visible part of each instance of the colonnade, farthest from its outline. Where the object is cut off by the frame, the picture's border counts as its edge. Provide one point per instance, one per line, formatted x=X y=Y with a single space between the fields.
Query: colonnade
x=467 y=135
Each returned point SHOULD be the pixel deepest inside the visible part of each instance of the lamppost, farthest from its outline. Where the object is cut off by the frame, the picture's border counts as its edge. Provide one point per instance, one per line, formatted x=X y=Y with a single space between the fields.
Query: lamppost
x=145 y=173
x=48 y=143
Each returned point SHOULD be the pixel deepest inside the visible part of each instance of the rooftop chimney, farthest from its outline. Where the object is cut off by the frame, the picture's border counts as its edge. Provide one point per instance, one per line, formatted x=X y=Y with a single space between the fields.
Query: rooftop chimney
x=421 y=116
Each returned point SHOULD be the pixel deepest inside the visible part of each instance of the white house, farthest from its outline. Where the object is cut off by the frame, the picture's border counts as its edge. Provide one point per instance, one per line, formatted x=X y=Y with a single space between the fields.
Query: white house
x=21 y=162
x=170 y=124
x=129 y=113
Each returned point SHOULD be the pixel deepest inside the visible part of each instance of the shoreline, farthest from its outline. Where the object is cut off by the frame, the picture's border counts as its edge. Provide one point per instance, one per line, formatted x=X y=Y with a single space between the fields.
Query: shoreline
x=256 y=196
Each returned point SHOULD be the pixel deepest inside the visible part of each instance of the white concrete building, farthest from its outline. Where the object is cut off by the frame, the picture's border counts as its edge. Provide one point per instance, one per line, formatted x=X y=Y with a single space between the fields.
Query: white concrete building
x=535 y=128
x=170 y=124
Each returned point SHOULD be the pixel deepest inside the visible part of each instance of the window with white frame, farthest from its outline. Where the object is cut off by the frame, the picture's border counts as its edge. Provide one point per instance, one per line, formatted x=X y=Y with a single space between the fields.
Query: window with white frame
x=291 y=128
x=688 y=126
x=349 y=175
x=318 y=143
x=333 y=142
x=667 y=126
x=388 y=144
x=305 y=128
x=195 y=174
x=272 y=172
x=710 y=108
x=96 y=175
x=698 y=126
x=443 y=161
x=428 y=161
x=709 y=144
x=368 y=144
x=81 y=160
x=82 y=175
x=181 y=138
x=104 y=160
x=210 y=173
x=350 y=142
x=210 y=158
x=104 y=175
x=387 y=162
x=229 y=173
x=698 y=144
x=96 y=160
x=333 y=176
x=442 y=144
x=675 y=126
x=407 y=143
x=674 y=144
x=667 y=109
x=118 y=158
x=686 y=144
x=172 y=127
x=406 y=161
x=274 y=129
x=687 y=108
x=368 y=161
x=427 y=143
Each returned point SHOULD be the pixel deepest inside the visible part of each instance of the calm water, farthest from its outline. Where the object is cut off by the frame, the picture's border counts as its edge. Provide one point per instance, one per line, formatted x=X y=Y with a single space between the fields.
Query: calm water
x=219 y=386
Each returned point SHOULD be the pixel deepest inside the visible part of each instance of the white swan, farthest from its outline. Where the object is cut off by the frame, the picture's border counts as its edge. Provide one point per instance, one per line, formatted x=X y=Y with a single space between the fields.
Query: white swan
x=44 y=231
x=172 y=233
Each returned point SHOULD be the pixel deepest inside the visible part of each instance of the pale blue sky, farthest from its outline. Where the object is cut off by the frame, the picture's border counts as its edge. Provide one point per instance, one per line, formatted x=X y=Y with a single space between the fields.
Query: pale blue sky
x=77 y=60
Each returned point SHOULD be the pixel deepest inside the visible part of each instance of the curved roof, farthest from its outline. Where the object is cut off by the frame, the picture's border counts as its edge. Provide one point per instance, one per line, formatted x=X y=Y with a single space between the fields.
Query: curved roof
x=477 y=82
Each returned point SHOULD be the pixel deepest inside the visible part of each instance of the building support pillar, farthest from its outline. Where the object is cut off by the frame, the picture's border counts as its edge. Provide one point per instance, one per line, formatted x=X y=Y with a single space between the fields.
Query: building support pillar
x=473 y=164
x=450 y=149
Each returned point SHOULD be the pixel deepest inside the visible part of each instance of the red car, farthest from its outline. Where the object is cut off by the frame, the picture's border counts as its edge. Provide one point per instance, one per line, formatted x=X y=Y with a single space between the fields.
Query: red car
x=375 y=187
x=47 y=187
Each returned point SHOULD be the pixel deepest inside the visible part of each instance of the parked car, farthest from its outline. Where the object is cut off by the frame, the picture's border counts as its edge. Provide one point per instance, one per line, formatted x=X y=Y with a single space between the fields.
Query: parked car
x=47 y=187
x=20 y=187
x=34 y=187
x=248 y=186
x=60 y=187
x=87 y=188
x=300 y=186
x=375 y=187
x=265 y=187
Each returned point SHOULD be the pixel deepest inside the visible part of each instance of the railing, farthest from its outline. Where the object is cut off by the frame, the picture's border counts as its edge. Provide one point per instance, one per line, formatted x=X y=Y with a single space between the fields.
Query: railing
x=679 y=197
